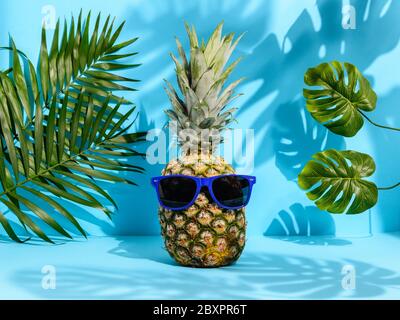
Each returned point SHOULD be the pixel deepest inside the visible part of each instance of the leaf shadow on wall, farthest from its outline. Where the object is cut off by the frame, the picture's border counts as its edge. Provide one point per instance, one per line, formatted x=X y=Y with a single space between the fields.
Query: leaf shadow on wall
x=281 y=69
x=255 y=276
x=306 y=226
x=296 y=137
x=158 y=23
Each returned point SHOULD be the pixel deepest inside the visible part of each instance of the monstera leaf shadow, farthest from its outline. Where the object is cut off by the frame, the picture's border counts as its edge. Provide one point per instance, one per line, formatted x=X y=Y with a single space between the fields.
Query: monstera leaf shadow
x=160 y=23
x=305 y=225
x=297 y=136
x=257 y=275
x=280 y=67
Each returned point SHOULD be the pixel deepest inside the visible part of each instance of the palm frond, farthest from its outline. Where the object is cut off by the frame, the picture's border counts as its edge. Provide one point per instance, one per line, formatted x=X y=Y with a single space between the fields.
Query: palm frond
x=78 y=60
x=61 y=129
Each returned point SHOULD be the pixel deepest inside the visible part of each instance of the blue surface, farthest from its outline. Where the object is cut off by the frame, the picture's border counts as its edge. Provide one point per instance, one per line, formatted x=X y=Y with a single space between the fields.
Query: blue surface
x=138 y=268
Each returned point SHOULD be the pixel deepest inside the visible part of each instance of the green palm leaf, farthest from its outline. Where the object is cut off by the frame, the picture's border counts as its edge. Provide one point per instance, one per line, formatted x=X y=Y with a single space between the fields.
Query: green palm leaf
x=341 y=96
x=61 y=131
x=82 y=61
x=335 y=181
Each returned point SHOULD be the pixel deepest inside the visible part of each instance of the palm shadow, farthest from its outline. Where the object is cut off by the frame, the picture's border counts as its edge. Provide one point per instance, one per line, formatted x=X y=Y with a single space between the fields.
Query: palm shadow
x=255 y=276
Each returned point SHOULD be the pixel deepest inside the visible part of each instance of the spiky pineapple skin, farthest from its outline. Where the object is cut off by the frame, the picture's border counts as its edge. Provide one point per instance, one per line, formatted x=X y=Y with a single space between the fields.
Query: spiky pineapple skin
x=204 y=235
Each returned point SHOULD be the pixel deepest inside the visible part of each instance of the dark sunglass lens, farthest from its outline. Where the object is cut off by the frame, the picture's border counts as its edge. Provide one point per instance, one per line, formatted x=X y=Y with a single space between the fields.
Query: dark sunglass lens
x=231 y=191
x=176 y=192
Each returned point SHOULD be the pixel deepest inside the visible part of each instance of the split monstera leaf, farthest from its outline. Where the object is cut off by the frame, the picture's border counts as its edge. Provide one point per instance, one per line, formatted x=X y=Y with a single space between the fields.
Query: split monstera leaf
x=342 y=96
x=339 y=99
x=61 y=127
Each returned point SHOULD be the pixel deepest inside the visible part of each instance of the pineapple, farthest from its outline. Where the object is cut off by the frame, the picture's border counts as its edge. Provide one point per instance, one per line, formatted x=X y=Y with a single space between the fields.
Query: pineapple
x=203 y=235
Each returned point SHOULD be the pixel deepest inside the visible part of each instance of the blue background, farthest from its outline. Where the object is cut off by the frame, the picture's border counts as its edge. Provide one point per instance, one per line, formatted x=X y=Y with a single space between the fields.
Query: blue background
x=283 y=39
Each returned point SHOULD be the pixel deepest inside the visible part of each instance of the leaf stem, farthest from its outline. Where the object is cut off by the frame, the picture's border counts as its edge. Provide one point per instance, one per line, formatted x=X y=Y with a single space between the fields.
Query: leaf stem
x=376 y=124
x=391 y=187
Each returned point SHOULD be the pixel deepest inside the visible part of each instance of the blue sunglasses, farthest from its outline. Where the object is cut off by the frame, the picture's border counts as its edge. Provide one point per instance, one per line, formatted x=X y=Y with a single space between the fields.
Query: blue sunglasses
x=179 y=192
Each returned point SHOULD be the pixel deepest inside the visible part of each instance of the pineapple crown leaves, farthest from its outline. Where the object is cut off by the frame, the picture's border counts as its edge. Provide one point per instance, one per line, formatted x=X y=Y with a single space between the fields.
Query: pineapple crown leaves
x=201 y=82
x=61 y=129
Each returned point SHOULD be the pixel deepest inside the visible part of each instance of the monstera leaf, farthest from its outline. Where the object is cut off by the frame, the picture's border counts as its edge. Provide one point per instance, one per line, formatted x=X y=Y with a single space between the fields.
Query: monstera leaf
x=335 y=180
x=341 y=96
